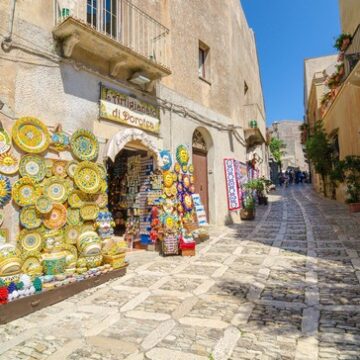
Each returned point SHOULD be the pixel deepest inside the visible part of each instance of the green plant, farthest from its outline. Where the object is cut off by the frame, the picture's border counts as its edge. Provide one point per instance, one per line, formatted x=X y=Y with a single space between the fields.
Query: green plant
x=249 y=202
x=320 y=152
x=339 y=41
x=348 y=171
x=277 y=147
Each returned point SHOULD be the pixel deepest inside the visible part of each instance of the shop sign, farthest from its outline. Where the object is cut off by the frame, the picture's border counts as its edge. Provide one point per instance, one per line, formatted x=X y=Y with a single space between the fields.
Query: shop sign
x=127 y=110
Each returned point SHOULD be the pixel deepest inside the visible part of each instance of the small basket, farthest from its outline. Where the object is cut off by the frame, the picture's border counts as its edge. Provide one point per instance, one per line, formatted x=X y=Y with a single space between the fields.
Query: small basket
x=116 y=261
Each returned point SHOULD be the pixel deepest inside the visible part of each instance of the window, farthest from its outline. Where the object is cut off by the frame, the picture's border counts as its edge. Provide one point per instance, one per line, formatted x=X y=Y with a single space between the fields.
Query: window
x=102 y=15
x=203 y=70
x=246 y=88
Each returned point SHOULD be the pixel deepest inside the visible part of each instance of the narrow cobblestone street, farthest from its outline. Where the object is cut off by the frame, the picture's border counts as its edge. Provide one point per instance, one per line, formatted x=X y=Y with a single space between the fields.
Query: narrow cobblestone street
x=285 y=286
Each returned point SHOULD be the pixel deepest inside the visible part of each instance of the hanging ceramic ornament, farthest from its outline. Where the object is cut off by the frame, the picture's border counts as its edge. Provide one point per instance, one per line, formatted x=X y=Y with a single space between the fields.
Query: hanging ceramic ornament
x=5 y=142
x=177 y=167
x=9 y=164
x=191 y=168
x=188 y=203
x=166 y=160
x=31 y=135
x=182 y=155
x=168 y=179
x=59 y=139
x=84 y=145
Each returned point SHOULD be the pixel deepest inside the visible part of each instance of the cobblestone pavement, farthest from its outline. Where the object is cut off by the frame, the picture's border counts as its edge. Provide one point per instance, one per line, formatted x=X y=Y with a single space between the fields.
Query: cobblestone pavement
x=285 y=286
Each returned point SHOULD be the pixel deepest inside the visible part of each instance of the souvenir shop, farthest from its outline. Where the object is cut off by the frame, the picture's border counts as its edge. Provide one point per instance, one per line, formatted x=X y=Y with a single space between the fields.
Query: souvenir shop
x=78 y=216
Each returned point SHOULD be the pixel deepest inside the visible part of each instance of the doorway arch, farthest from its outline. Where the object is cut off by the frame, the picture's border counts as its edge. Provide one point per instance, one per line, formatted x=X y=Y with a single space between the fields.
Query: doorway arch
x=201 y=145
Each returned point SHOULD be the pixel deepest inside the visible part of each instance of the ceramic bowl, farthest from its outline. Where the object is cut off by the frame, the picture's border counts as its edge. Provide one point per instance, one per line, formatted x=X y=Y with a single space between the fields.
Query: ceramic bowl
x=92 y=249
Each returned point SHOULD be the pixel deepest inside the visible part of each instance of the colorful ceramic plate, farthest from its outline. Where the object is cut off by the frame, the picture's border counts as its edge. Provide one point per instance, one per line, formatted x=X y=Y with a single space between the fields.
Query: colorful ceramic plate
x=43 y=204
x=31 y=135
x=49 y=165
x=9 y=164
x=55 y=188
x=29 y=218
x=70 y=168
x=73 y=216
x=168 y=191
x=75 y=199
x=88 y=177
x=5 y=142
x=33 y=166
x=56 y=218
x=84 y=145
x=25 y=191
x=5 y=190
x=32 y=264
x=59 y=168
x=71 y=234
x=31 y=240
x=89 y=212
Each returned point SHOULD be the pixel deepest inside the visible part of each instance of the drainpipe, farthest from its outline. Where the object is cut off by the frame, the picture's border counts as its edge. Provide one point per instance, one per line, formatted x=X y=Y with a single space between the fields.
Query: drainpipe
x=6 y=43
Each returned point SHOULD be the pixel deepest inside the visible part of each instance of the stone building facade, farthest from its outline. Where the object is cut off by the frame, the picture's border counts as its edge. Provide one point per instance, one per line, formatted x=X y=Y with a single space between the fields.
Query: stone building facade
x=289 y=132
x=195 y=60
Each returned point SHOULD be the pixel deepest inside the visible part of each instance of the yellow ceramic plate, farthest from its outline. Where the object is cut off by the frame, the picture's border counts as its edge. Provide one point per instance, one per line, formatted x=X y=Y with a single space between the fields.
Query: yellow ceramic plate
x=84 y=145
x=33 y=166
x=89 y=212
x=44 y=204
x=31 y=135
x=9 y=164
x=25 y=191
x=56 y=218
x=87 y=177
x=75 y=199
x=29 y=218
x=59 y=168
x=31 y=240
x=55 y=188
x=70 y=168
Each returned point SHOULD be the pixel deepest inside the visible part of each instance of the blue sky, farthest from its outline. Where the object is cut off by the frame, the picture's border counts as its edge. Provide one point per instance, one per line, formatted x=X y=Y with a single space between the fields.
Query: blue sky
x=287 y=32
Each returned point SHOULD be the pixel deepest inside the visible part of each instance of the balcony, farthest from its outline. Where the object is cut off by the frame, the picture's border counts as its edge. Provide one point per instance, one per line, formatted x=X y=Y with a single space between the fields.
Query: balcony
x=254 y=125
x=113 y=35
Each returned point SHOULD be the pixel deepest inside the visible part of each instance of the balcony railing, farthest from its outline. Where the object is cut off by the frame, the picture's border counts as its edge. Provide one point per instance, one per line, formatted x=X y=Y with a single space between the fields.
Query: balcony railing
x=352 y=53
x=121 y=21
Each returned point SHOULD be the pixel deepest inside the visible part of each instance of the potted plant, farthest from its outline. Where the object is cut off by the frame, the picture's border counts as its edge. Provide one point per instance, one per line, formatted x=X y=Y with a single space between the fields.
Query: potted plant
x=248 y=210
x=342 y=42
x=348 y=171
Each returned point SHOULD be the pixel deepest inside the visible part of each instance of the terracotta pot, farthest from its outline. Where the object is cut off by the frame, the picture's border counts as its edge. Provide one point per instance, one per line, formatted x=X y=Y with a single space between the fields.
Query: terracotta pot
x=354 y=207
x=247 y=214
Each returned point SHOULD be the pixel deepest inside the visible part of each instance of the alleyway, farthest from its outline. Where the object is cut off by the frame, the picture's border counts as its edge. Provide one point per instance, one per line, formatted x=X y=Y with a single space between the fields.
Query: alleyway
x=283 y=287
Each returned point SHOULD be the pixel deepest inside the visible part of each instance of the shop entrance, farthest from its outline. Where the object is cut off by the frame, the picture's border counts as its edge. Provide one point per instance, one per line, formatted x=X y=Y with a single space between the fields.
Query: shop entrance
x=200 y=163
x=133 y=184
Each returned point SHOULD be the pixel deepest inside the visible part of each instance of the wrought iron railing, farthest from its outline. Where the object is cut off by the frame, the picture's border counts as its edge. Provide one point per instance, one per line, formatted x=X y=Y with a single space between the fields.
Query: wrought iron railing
x=352 y=53
x=121 y=21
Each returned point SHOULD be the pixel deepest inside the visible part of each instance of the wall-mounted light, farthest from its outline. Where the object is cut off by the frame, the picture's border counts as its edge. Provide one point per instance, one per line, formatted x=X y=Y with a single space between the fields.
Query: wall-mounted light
x=139 y=79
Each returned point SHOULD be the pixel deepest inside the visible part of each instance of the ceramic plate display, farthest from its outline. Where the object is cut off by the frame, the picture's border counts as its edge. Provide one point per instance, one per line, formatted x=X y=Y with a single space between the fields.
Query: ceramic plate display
x=101 y=200
x=70 y=168
x=88 y=177
x=31 y=240
x=59 y=168
x=73 y=216
x=84 y=145
x=49 y=165
x=43 y=204
x=5 y=142
x=5 y=190
x=31 y=135
x=9 y=164
x=177 y=167
x=33 y=166
x=29 y=218
x=71 y=234
x=1 y=216
x=56 y=218
x=75 y=199
x=55 y=188
x=25 y=191
x=89 y=212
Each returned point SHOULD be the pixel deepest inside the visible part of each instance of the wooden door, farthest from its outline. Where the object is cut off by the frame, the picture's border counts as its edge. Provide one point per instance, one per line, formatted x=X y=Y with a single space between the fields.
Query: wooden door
x=201 y=178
